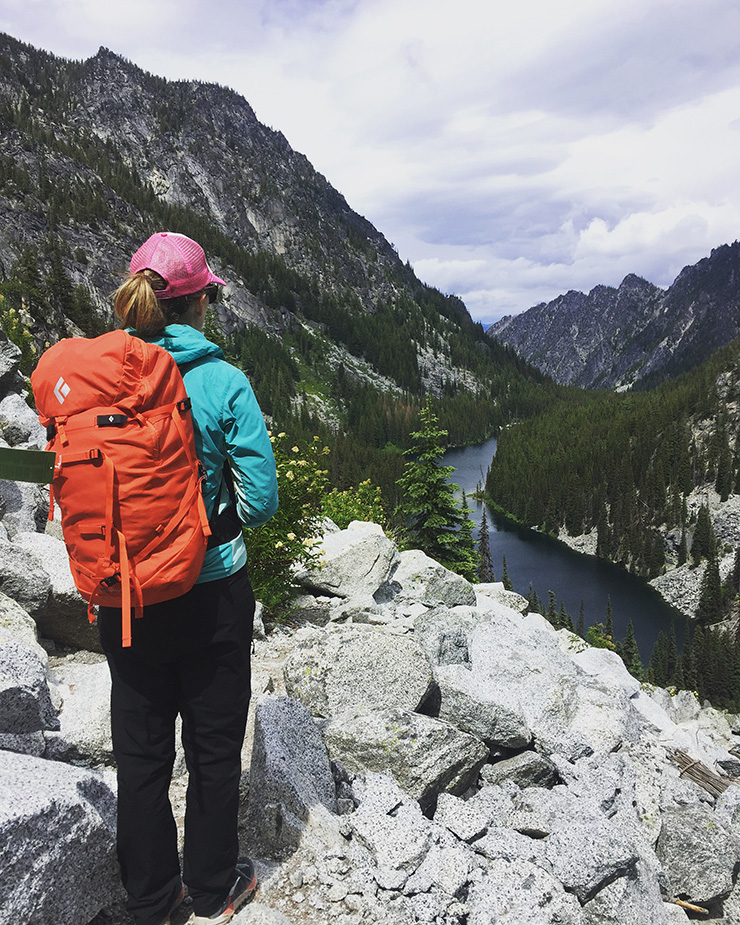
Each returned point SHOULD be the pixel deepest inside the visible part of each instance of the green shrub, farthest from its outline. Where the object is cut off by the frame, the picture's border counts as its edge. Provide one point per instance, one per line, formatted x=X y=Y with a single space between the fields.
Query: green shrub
x=288 y=541
x=362 y=503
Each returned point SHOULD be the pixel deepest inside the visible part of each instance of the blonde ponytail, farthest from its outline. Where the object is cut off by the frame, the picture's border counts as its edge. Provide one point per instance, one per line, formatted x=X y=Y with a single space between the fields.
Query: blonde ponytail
x=136 y=306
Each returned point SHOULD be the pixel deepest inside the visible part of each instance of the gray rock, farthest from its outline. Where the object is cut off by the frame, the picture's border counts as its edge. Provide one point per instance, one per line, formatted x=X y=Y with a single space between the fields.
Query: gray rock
x=23 y=579
x=23 y=426
x=494 y=593
x=355 y=561
x=420 y=578
x=466 y=819
x=425 y=756
x=10 y=359
x=675 y=915
x=259 y=914
x=468 y=702
x=634 y=899
x=507 y=845
x=588 y=851
x=392 y=828
x=527 y=769
x=444 y=633
x=444 y=869
x=18 y=626
x=538 y=813
x=526 y=672
x=64 y=619
x=520 y=893
x=25 y=701
x=84 y=733
x=57 y=842
x=364 y=609
x=26 y=507
x=290 y=775
x=727 y=807
x=495 y=802
x=429 y=907
x=306 y=608
x=346 y=669
x=730 y=907
x=606 y=667
x=698 y=854
x=25 y=743
x=258 y=627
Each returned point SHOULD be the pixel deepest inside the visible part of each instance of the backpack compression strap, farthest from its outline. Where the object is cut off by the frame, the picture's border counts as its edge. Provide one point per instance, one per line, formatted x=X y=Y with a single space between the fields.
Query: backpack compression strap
x=107 y=575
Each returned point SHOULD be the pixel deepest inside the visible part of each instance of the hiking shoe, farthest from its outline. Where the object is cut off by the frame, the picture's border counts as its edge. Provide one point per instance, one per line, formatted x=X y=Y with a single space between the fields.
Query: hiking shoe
x=242 y=890
x=175 y=905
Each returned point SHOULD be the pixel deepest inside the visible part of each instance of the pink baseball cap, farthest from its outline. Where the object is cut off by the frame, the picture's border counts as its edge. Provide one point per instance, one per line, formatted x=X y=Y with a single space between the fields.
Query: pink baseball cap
x=180 y=262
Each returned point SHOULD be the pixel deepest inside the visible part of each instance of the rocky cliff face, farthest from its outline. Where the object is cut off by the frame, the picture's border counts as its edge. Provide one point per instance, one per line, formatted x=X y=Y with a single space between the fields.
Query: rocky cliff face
x=421 y=750
x=636 y=334
x=96 y=155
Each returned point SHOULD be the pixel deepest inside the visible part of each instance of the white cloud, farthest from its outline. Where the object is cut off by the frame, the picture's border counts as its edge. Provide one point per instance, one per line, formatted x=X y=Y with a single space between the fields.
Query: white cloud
x=510 y=151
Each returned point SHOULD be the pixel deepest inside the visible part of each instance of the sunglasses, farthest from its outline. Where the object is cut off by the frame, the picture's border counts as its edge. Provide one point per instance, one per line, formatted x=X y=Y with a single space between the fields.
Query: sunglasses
x=211 y=290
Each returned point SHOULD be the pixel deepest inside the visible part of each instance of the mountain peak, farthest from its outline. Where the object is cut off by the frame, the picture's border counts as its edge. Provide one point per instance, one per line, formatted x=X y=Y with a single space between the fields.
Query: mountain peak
x=638 y=333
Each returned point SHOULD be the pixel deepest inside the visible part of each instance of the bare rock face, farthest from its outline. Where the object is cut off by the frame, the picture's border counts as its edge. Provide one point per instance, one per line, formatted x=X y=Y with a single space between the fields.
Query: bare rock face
x=64 y=617
x=25 y=701
x=422 y=579
x=615 y=337
x=57 y=842
x=290 y=776
x=23 y=579
x=426 y=756
x=698 y=853
x=356 y=561
x=345 y=669
x=84 y=720
x=10 y=357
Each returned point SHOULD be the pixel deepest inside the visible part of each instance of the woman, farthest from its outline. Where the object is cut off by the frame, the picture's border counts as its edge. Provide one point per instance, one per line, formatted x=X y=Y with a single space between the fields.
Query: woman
x=190 y=655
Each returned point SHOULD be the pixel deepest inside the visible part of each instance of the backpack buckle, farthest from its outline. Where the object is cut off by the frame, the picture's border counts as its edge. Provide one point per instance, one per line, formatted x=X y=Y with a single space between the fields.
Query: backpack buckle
x=110 y=580
x=184 y=405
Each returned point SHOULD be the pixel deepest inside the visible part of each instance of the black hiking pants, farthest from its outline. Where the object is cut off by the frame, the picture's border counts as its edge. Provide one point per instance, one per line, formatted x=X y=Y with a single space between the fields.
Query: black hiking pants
x=189 y=656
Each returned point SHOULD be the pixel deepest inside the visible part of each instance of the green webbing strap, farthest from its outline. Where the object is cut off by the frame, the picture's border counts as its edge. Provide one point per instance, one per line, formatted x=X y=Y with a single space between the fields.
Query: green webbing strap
x=27 y=465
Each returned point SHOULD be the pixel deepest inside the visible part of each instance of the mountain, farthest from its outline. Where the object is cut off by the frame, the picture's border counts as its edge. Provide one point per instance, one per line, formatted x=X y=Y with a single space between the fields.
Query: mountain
x=636 y=335
x=334 y=329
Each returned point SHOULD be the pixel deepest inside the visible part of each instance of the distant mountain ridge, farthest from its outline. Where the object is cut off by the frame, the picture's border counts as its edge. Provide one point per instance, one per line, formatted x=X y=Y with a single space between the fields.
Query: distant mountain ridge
x=635 y=335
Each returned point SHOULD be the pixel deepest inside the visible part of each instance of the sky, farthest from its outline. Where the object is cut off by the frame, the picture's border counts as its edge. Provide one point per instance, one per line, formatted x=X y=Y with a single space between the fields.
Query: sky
x=510 y=151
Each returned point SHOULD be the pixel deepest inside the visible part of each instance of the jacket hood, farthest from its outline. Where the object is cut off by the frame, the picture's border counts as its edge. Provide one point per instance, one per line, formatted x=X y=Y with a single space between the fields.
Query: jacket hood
x=185 y=344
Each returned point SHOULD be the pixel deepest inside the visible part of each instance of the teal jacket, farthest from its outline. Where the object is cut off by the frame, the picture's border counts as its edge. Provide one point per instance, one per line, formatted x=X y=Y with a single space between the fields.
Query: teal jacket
x=228 y=426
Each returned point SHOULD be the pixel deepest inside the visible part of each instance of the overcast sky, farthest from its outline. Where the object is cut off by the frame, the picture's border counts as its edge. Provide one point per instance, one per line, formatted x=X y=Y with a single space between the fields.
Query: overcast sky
x=510 y=150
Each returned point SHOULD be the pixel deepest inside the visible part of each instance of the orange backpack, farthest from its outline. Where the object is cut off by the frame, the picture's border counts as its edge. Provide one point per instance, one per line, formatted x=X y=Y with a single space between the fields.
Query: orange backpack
x=126 y=477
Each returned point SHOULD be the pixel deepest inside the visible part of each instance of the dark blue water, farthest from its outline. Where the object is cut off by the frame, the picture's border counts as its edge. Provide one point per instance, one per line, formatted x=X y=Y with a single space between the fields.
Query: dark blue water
x=547 y=565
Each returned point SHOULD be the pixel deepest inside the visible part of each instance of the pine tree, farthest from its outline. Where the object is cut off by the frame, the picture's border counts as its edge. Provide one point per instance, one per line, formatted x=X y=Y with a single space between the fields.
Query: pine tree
x=723 y=482
x=631 y=654
x=710 y=596
x=433 y=516
x=703 y=542
x=564 y=618
x=505 y=577
x=581 y=625
x=467 y=560
x=658 y=667
x=609 y=625
x=552 y=614
x=736 y=571
x=485 y=569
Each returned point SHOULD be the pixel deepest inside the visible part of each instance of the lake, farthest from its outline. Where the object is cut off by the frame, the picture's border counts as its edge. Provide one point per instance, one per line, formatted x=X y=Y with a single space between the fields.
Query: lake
x=546 y=564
